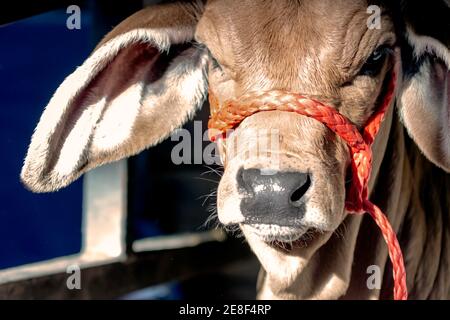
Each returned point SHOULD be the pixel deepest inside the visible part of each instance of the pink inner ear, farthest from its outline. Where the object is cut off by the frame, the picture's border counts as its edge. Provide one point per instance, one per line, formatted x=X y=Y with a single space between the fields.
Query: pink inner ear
x=136 y=63
x=447 y=78
x=131 y=65
x=440 y=80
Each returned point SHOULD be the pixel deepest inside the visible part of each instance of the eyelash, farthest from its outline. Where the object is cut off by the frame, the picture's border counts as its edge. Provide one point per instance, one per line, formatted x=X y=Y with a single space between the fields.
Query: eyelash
x=215 y=63
x=372 y=66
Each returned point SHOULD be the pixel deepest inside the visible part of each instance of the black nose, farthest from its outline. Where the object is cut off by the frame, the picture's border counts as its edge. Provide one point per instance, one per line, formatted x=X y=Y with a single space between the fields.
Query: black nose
x=276 y=198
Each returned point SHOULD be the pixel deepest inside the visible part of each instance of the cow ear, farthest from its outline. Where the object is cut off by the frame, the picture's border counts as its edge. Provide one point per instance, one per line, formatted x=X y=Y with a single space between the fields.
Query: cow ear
x=144 y=79
x=424 y=100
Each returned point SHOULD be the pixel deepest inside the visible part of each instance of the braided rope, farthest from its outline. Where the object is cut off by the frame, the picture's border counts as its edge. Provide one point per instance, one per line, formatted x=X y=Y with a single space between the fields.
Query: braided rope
x=234 y=112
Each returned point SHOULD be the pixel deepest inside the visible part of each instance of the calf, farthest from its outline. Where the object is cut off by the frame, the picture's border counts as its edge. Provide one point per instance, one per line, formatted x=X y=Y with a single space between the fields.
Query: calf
x=151 y=73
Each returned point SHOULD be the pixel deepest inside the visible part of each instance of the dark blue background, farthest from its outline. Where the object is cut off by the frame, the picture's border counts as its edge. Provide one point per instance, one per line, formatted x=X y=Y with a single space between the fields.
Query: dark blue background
x=36 y=54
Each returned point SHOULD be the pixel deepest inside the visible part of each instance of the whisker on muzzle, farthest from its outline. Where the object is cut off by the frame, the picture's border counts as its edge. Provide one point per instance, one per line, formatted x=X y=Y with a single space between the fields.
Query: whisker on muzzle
x=206 y=197
x=206 y=179
x=341 y=230
x=213 y=170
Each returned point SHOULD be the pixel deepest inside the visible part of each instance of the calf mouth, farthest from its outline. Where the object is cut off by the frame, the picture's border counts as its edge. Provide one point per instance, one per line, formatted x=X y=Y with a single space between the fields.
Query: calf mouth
x=282 y=237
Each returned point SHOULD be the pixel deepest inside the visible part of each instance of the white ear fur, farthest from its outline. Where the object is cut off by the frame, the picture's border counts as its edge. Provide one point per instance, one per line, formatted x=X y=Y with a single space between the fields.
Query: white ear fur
x=424 y=103
x=424 y=44
x=87 y=122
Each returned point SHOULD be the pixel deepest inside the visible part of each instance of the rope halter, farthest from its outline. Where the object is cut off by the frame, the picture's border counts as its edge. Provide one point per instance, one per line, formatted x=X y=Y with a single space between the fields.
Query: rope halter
x=234 y=111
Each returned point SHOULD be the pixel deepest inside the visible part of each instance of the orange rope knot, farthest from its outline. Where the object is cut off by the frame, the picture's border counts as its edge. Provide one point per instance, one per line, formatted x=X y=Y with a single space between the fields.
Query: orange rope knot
x=231 y=114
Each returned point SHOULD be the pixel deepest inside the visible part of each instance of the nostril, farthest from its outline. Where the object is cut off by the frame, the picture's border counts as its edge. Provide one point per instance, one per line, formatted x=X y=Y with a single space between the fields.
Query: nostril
x=298 y=194
x=246 y=179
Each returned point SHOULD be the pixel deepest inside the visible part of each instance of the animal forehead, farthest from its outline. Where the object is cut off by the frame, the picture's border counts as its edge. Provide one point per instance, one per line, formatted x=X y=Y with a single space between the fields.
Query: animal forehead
x=280 y=20
x=273 y=8
x=245 y=34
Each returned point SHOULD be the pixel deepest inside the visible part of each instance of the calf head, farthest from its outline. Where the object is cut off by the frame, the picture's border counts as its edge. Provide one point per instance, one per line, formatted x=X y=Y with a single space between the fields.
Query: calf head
x=153 y=71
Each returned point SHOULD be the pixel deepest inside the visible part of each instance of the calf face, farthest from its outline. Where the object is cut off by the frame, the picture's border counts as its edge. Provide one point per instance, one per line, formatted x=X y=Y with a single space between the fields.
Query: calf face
x=301 y=47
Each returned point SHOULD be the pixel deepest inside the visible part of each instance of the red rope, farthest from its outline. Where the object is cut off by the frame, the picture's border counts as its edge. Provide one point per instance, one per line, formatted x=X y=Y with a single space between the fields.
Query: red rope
x=234 y=112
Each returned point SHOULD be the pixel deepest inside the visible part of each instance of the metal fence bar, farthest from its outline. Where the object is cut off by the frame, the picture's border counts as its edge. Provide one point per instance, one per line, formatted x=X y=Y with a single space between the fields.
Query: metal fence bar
x=136 y=272
x=105 y=211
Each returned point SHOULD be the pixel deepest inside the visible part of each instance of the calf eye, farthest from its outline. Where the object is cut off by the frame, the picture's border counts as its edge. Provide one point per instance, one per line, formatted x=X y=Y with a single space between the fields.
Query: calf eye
x=375 y=62
x=215 y=63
